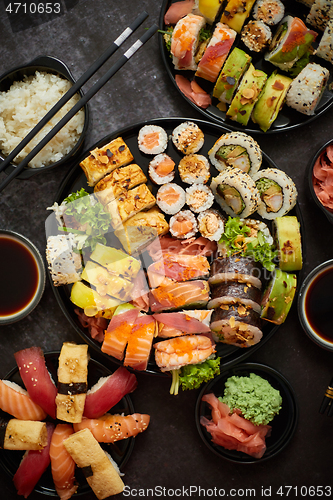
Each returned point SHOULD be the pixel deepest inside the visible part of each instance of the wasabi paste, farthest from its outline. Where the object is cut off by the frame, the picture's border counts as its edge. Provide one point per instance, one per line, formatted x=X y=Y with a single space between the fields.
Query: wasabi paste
x=258 y=401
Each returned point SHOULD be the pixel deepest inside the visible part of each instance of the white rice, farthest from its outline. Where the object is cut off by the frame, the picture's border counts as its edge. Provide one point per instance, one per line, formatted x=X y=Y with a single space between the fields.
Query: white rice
x=199 y=197
x=145 y=131
x=167 y=206
x=325 y=47
x=269 y=11
x=25 y=104
x=188 y=138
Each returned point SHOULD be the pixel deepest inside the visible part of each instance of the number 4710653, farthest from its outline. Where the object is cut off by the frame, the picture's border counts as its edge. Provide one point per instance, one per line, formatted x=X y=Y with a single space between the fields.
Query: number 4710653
x=33 y=8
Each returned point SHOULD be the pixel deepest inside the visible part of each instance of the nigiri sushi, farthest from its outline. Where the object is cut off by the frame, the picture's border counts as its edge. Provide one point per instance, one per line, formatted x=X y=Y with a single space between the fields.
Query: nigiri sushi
x=131 y=330
x=108 y=391
x=174 y=353
x=37 y=379
x=111 y=428
x=62 y=464
x=32 y=466
x=16 y=401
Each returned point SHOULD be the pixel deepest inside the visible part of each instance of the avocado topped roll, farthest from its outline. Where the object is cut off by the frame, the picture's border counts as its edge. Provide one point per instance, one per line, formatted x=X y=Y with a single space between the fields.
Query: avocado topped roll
x=236 y=192
x=233 y=69
x=236 y=149
x=270 y=100
x=247 y=95
x=291 y=41
x=278 y=193
x=236 y=12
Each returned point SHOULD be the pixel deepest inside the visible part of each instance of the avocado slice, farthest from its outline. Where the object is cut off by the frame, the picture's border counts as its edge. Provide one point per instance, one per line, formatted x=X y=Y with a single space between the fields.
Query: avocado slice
x=271 y=100
x=232 y=197
x=233 y=69
x=247 y=95
x=236 y=12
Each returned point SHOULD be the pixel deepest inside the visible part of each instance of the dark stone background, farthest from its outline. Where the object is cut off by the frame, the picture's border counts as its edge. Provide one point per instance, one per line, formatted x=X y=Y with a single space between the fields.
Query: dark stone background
x=170 y=454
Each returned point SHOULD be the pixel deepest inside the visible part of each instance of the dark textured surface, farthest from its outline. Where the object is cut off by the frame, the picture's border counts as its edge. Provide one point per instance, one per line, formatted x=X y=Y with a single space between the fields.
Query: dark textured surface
x=170 y=454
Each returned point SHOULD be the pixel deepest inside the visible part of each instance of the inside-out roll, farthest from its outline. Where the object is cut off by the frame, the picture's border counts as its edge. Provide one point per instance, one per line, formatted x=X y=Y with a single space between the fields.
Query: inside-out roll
x=278 y=193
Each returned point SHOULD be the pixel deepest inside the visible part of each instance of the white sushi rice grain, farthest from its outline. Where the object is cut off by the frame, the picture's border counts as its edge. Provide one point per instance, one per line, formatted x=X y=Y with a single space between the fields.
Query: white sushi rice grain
x=325 y=47
x=320 y=13
x=147 y=130
x=188 y=138
x=269 y=11
x=23 y=106
x=180 y=216
x=155 y=177
x=199 y=197
x=211 y=224
x=306 y=89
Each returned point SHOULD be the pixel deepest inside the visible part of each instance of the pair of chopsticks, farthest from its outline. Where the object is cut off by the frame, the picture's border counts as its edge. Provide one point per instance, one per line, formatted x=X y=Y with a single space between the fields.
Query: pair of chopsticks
x=327 y=402
x=70 y=93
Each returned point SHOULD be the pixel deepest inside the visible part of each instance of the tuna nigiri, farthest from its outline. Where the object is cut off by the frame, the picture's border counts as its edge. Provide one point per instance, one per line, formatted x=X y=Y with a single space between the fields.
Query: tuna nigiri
x=111 y=428
x=62 y=464
x=16 y=401
x=37 y=379
x=108 y=391
x=33 y=465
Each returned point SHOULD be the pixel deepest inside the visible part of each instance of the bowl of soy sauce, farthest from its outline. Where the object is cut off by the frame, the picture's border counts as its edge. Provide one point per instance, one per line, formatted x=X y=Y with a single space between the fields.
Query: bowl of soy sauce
x=315 y=305
x=22 y=277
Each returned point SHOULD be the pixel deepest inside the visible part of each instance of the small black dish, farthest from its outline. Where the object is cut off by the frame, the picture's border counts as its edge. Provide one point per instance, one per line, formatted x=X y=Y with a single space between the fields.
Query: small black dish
x=47 y=64
x=283 y=425
x=120 y=450
x=326 y=211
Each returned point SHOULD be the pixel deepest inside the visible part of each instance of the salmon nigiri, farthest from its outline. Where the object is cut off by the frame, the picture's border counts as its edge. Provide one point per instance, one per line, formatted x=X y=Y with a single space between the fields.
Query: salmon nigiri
x=62 y=464
x=16 y=401
x=111 y=428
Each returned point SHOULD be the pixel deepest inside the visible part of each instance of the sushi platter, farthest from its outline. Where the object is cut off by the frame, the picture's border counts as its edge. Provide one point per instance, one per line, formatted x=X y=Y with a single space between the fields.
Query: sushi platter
x=206 y=97
x=76 y=180
x=120 y=450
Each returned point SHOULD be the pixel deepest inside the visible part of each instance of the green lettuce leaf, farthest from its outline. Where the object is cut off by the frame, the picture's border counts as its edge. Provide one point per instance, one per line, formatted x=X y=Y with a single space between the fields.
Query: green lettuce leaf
x=192 y=376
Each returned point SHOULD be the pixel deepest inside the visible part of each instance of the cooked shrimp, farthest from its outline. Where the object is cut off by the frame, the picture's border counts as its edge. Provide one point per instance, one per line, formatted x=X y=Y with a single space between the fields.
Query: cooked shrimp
x=180 y=351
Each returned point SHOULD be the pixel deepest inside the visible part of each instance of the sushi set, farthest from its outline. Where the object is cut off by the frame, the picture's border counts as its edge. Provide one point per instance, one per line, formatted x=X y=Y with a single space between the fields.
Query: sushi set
x=250 y=65
x=35 y=425
x=167 y=282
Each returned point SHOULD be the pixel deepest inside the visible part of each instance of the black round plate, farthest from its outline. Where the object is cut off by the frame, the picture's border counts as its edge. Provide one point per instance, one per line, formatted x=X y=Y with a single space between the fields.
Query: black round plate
x=76 y=179
x=120 y=451
x=288 y=118
x=283 y=425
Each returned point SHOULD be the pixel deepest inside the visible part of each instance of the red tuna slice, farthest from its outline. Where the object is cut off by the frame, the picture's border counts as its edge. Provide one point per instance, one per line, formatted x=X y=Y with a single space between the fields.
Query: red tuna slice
x=33 y=465
x=108 y=391
x=36 y=378
x=183 y=322
x=177 y=10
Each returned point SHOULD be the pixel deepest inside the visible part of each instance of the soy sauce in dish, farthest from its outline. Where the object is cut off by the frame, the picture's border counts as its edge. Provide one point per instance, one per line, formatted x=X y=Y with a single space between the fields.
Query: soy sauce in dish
x=319 y=305
x=19 y=276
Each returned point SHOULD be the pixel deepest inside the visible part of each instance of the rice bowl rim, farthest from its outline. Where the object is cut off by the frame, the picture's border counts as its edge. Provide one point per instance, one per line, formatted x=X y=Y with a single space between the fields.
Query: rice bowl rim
x=48 y=64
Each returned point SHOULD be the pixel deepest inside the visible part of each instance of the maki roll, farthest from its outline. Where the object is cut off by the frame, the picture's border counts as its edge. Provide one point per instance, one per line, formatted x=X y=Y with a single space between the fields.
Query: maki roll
x=152 y=139
x=278 y=297
x=199 y=197
x=216 y=52
x=194 y=169
x=236 y=192
x=183 y=225
x=161 y=169
x=188 y=138
x=211 y=224
x=291 y=41
x=236 y=12
x=256 y=35
x=233 y=69
x=271 y=100
x=307 y=88
x=325 y=45
x=278 y=193
x=269 y=11
x=320 y=13
x=247 y=95
x=236 y=149
x=184 y=41
x=170 y=198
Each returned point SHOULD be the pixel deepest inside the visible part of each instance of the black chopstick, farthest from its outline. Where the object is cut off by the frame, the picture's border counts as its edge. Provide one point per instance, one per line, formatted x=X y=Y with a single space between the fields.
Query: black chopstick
x=74 y=88
x=327 y=402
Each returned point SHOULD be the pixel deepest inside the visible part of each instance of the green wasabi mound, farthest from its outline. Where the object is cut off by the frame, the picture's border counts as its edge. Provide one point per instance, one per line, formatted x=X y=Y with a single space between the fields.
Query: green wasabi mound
x=258 y=401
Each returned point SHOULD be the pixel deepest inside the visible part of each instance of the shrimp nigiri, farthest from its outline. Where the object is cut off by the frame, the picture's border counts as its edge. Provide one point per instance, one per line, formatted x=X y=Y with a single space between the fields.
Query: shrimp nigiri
x=111 y=428
x=62 y=464
x=180 y=351
x=16 y=401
